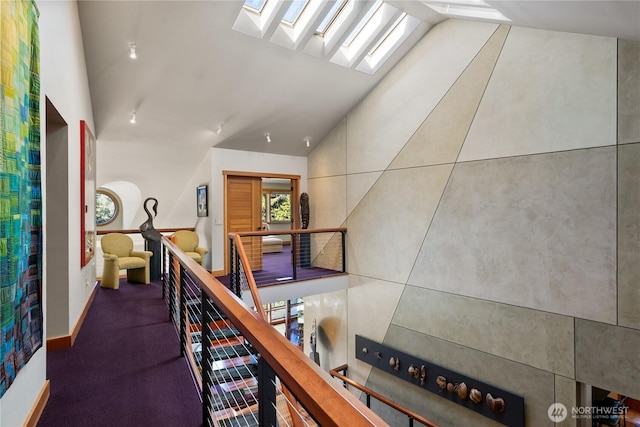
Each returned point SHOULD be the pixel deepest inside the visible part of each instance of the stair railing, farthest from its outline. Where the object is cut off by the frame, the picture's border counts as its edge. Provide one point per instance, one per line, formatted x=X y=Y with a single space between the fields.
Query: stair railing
x=341 y=373
x=193 y=296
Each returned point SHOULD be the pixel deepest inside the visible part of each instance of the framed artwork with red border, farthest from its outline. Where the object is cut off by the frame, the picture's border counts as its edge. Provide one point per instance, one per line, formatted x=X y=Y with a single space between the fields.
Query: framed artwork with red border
x=87 y=194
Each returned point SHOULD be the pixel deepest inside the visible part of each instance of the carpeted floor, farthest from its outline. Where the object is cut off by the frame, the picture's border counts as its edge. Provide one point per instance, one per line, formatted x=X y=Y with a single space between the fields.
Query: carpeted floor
x=125 y=367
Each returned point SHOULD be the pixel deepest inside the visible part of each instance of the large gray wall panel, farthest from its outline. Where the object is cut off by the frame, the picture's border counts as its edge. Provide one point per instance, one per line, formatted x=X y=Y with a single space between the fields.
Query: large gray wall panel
x=535 y=231
x=549 y=92
x=607 y=357
x=628 y=91
x=629 y=235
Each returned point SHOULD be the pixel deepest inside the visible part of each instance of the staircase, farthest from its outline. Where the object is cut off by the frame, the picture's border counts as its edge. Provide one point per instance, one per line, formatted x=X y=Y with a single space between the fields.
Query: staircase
x=229 y=366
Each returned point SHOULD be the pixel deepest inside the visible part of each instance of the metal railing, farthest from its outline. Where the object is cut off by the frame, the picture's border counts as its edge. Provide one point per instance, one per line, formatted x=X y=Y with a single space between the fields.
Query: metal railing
x=233 y=352
x=341 y=373
x=305 y=255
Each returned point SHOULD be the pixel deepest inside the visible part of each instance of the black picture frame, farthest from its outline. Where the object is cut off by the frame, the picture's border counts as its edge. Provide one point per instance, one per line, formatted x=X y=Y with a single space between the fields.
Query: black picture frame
x=202 y=200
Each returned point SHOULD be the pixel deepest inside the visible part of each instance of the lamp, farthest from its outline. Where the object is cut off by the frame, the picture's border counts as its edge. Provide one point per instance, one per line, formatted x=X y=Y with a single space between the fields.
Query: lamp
x=266 y=135
x=219 y=129
x=132 y=120
x=307 y=141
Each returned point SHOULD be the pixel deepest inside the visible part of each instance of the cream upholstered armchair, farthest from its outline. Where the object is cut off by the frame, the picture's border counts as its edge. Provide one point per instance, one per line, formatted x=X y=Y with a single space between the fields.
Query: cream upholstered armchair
x=119 y=255
x=188 y=242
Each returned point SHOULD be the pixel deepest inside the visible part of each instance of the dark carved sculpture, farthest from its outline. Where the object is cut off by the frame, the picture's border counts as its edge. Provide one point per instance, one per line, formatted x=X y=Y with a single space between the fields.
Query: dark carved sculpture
x=304 y=210
x=146 y=228
x=314 y=355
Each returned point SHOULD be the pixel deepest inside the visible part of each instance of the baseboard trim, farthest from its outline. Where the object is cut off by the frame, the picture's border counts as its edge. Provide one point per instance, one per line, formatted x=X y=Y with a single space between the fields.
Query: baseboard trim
x=39 y=405
x=66 y=341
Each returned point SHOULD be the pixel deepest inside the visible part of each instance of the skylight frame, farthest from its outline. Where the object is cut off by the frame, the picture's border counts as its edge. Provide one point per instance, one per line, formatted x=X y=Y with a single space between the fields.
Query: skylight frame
x=387 y=33
x=475 y=9
x=362 y=23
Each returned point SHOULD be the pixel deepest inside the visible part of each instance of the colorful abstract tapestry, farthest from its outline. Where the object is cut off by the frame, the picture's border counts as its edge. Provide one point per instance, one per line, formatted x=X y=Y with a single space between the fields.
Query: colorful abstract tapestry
x=20 y=196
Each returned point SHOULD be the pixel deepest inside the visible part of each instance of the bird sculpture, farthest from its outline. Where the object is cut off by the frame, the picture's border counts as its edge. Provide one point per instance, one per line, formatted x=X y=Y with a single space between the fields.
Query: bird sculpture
x=146 y=228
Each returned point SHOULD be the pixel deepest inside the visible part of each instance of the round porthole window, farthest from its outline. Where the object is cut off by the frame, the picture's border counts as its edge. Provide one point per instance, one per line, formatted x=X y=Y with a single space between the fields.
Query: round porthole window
x=106 y=208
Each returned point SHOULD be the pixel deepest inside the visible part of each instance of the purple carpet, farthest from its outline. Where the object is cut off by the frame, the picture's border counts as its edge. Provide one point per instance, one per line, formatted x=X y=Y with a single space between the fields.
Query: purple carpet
x=125 y=367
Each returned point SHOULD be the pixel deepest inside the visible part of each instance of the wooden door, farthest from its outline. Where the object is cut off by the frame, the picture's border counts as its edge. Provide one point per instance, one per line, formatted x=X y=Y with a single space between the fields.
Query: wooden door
x=244 y=213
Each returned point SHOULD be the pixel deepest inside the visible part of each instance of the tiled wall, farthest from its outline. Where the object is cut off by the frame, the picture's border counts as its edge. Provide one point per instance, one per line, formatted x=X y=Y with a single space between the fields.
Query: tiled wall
x=493 y=215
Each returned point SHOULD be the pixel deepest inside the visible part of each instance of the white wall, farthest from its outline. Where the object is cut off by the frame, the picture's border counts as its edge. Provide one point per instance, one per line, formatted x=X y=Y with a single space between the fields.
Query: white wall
x=244 y=161
x=64 y=82
x=165 y=174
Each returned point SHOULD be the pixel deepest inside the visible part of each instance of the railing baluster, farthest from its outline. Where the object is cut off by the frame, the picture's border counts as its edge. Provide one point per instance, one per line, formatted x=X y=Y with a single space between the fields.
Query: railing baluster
x=183 y=312
x=164 y=276
x=172 y=289
x=294 y=256
x=267 y=394
x=344 y=252
x=205 y=343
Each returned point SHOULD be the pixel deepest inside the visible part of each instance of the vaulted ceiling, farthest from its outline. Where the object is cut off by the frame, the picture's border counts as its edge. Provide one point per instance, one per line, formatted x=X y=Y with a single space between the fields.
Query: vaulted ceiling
x=199 y=83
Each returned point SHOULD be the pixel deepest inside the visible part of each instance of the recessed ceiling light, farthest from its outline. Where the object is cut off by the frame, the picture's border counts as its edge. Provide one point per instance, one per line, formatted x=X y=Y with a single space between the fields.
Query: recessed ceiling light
x=132 y=51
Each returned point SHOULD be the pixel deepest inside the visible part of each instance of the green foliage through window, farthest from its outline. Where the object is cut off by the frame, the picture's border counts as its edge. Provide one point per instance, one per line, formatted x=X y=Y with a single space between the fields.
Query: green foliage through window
x=106 y=208
x=276 y=207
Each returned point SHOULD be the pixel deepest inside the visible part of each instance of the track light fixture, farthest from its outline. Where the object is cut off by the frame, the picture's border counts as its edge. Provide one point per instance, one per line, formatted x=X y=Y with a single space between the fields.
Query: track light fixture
x=219 y=129
x=132 y=120
x=307 y=141
x=132 y=51
x=266 y=135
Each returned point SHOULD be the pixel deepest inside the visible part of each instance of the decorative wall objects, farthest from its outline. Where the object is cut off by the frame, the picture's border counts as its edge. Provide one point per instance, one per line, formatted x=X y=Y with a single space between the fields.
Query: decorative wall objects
x=87 y=194
x=20 y=190
x=495 y=403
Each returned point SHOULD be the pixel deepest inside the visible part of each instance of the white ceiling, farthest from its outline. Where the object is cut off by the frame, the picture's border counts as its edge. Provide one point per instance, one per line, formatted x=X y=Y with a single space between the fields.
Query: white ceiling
x=195 y=72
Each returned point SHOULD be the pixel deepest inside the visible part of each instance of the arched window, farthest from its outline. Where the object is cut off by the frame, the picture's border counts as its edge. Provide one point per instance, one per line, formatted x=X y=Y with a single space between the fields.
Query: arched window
x=107 y=208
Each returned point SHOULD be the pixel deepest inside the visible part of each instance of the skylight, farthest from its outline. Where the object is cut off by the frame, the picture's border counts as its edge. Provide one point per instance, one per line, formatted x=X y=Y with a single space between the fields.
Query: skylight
x=356 y=34
x=294 y=11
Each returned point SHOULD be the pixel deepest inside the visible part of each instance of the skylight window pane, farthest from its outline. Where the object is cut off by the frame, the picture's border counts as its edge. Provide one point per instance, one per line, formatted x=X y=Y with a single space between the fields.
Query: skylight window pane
x=294 y=11
x=363 y=22
x=330 y=17
x=255 y=5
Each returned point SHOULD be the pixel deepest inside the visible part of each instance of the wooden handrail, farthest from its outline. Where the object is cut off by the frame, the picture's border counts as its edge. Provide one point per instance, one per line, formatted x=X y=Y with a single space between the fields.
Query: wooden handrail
x=336 y=373
x=282 y=232
x=253 y=288
x=134 y=231
x=328 y=403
